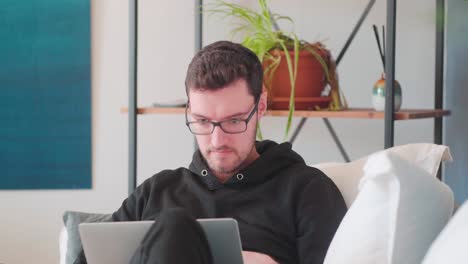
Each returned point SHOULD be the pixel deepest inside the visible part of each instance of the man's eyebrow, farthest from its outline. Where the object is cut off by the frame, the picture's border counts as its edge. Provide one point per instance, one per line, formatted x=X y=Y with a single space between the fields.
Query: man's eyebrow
x=227 y=117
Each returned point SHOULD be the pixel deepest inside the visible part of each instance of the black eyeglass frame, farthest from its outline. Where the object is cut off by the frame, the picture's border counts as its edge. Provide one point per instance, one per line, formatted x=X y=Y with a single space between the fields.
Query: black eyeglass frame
x=215 y=124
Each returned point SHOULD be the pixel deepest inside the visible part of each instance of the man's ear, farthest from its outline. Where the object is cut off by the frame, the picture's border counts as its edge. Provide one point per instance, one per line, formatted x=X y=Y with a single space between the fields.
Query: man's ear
x=263 y=102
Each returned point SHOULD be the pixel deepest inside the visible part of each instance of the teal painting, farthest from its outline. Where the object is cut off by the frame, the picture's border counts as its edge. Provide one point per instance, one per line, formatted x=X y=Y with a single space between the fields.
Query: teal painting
x=45 y=94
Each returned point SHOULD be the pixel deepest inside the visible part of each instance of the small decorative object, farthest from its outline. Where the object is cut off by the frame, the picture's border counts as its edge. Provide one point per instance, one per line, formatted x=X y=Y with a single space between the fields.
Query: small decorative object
x=378 y=95
x=378 y=92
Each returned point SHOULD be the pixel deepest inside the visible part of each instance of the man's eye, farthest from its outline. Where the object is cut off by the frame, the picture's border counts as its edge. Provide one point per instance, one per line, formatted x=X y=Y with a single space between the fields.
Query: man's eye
x=203 y=121
x=235 y=121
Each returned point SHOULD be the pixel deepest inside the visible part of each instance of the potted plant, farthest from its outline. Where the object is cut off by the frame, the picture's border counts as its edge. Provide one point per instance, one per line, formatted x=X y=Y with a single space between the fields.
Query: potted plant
x=295 y=71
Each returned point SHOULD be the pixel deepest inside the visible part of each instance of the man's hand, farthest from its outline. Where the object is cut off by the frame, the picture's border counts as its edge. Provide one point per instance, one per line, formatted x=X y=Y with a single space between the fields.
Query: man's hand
x=250 y=257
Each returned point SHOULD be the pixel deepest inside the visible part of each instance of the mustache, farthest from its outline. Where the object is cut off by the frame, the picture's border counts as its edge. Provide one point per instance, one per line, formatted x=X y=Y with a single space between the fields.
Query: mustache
x=222 y=148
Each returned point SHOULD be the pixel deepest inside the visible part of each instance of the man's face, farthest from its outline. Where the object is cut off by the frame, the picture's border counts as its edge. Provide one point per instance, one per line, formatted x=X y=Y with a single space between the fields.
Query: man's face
x=226 y=153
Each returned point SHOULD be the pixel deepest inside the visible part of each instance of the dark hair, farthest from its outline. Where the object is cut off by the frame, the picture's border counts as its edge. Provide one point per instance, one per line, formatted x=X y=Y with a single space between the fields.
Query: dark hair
x=222 y=63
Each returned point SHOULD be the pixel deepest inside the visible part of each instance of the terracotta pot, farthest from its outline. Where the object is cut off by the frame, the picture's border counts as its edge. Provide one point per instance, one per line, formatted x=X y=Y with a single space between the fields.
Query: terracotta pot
x=310 y=82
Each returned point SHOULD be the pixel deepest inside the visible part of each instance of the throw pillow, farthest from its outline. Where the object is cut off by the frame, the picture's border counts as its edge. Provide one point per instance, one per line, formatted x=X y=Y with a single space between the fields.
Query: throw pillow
x=399 y=210
x=450 y=245
x=71 y=221
x=347 y=176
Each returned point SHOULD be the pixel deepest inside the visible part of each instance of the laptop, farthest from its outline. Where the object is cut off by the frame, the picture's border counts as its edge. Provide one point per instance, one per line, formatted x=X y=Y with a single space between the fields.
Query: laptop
x=116 y=242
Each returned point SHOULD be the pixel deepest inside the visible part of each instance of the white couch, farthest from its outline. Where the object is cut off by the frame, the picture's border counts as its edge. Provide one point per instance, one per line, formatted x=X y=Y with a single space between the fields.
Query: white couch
x=397 y=208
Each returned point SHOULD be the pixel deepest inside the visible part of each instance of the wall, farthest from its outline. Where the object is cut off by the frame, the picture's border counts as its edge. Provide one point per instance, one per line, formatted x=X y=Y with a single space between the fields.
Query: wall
x=456 y=92
x=31 y=221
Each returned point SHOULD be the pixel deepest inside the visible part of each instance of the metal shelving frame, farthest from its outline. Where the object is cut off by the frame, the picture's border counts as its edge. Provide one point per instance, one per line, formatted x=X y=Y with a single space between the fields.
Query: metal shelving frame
x=389 y=119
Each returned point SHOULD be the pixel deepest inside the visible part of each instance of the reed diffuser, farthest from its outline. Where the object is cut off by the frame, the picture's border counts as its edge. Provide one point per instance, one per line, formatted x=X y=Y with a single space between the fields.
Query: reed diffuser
x=378 y=91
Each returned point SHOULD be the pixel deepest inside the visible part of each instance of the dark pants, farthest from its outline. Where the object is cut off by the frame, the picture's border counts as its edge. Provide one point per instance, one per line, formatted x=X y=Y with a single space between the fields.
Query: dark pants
x=174 y=238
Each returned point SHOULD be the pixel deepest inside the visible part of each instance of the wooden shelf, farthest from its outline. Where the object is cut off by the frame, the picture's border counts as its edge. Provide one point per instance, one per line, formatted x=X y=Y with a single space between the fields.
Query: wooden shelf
x=363 y=113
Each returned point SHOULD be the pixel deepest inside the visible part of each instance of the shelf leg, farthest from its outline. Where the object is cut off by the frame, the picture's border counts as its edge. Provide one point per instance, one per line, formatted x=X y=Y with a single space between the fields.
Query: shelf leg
x=132 y=95
x=336 y=139
x=332 y=133
x=439 y=73
x=198 y=40
x=390 y=74
x=355 y=31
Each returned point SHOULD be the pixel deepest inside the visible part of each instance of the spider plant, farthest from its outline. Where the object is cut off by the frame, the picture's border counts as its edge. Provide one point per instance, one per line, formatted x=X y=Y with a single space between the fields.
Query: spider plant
x=263 y=39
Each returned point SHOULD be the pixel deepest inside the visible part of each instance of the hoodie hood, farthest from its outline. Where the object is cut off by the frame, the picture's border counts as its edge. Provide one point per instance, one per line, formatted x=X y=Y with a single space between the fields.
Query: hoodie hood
x=273 y=157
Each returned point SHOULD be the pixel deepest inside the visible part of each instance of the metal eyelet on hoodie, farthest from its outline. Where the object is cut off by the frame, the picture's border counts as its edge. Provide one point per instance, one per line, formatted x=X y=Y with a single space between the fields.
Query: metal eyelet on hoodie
x=204 y=173
x=240 y=176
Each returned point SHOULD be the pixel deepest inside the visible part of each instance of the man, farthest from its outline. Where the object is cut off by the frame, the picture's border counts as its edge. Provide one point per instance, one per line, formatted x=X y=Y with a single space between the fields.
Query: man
x=287 y=212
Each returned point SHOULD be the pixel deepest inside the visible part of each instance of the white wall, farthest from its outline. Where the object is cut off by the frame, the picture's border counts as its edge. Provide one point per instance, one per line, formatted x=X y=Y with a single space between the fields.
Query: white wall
x=456 y=92
x=30 y=220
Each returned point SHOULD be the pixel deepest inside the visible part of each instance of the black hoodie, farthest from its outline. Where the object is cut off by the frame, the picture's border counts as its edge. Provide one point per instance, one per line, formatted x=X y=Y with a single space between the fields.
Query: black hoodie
x=284 y=208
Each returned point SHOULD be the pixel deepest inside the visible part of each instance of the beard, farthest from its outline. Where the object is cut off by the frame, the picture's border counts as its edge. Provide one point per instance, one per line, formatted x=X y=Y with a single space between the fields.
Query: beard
x=227 y=163
x=226 y=160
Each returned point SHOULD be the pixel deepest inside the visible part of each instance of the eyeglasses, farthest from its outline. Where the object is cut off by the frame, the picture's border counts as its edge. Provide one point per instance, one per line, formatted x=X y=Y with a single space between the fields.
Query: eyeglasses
x=229 y=126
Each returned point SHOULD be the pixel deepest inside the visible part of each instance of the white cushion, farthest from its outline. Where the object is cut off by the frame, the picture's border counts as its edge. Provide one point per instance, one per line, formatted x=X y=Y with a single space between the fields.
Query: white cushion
x=63 y=238
x=70 y=241
x=398 y=212
x=346 y=176
x=451 y=244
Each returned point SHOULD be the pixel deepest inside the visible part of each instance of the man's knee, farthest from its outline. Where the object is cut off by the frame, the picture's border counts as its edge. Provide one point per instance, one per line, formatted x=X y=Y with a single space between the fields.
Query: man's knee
x=175 y=218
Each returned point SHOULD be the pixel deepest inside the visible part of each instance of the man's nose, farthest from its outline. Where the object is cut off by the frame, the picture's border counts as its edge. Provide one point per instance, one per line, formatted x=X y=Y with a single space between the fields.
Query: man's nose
x=219 y=137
